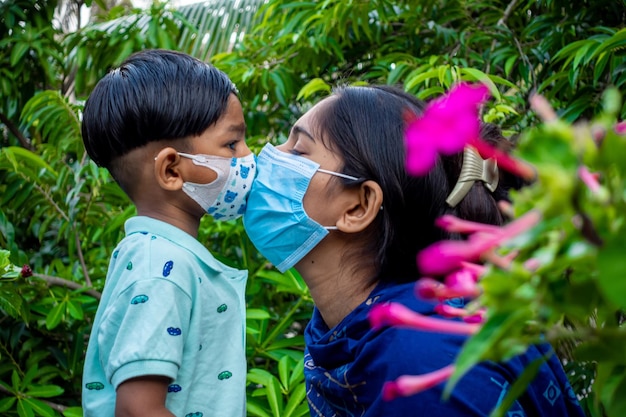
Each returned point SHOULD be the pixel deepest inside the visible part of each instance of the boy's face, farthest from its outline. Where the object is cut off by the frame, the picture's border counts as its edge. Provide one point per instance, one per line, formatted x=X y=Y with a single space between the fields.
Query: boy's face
x=225 y=138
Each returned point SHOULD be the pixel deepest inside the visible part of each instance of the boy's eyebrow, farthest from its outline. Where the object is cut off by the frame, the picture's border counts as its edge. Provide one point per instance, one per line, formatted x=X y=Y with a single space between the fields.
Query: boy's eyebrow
x=240 y=128
x=300 y=130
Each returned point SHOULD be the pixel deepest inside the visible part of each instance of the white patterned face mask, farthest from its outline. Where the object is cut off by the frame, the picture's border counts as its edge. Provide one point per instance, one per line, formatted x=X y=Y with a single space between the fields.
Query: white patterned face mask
x=225 y=198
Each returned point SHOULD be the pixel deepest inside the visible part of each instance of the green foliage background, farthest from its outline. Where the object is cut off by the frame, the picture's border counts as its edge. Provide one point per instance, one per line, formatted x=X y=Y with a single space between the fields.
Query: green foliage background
x=62 y=216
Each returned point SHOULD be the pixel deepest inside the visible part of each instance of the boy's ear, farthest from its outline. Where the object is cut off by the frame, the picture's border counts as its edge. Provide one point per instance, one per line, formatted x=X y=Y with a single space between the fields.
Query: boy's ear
x=367 y=203
x=167 y=169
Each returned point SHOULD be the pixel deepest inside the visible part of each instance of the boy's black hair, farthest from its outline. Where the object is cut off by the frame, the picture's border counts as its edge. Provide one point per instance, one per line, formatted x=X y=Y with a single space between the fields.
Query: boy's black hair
x=153 y=95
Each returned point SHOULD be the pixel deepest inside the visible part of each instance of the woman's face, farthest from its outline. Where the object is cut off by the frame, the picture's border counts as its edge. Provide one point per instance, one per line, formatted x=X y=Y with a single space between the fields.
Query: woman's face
x=323 y=188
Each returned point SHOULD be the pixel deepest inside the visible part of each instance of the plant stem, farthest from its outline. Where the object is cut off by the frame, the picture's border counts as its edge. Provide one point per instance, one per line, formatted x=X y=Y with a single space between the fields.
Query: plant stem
x=61 y=282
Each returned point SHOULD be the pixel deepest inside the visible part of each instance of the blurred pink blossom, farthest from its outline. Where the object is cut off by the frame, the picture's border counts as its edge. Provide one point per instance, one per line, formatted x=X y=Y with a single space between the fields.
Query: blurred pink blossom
x=620 y=128
x=590 y=179
x=448 y=255
x=477 y=269
x=430 y=289
x=505 y=161
x=449 y=311
x=532 y=264
x=453 y=224
x=407 y=385
x=395 y=314
x=448 y=124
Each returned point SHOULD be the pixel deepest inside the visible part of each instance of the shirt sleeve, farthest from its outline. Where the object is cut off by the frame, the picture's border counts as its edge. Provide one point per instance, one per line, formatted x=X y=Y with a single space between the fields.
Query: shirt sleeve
x=144 y=330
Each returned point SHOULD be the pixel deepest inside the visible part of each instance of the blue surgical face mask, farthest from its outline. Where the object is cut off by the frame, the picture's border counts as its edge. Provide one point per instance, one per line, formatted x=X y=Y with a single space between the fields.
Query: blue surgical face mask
x=275 y=219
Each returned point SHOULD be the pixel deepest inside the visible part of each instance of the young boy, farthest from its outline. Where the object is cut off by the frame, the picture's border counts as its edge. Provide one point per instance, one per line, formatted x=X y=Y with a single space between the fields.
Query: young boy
x=169 y=335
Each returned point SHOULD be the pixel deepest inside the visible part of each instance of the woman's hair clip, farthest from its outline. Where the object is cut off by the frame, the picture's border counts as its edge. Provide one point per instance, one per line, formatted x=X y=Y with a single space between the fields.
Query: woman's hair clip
x=474 y=168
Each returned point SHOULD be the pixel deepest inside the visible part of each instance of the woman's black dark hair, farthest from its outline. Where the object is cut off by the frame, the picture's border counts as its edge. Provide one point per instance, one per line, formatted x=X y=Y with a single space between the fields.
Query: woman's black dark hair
x=154 y=95
x=366 y=127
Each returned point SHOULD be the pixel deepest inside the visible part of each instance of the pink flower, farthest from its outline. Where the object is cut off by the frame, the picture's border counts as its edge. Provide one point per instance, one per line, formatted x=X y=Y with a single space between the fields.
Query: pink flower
x=620 y=128
x=26 y=271
x=590 y=180
x=449 y=311
x=532 y=264
x=446 y=126
x=453 y=224
x=395 y=314
x=407 y=385
x=448 y=255
x=476 y=269
x=542 y=107
x=430 y=289
x=505 y=161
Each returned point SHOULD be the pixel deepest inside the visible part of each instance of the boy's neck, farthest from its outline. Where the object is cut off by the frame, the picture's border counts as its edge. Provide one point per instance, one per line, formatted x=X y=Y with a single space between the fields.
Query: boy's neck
x=187 y=222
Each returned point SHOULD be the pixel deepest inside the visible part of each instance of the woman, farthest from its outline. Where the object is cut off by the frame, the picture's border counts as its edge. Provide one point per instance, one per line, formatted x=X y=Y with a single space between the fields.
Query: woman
x=335 y=201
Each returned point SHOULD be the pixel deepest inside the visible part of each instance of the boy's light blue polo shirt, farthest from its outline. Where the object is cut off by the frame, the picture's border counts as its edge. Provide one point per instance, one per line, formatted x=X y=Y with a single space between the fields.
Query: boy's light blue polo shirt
x=169 y=308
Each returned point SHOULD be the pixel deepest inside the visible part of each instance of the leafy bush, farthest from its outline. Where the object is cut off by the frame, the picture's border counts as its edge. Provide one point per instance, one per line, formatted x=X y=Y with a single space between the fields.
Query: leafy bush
x=62 y=216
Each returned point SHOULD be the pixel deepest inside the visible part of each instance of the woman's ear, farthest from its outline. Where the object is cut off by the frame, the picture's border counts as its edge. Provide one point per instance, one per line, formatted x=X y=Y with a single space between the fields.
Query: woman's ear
x=167 y=169
x=368 y=201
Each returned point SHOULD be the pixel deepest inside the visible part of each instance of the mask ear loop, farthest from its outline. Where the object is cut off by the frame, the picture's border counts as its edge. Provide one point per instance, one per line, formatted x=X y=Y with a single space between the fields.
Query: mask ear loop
x=474 y=168
x=339 y=174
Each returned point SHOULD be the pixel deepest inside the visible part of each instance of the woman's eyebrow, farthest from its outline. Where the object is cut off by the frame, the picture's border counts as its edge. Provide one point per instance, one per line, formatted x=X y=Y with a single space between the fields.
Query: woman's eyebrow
x=300 y=130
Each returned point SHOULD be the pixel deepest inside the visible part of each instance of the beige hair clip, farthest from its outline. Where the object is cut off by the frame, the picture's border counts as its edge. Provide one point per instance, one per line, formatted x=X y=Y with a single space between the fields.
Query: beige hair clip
x=474 y=168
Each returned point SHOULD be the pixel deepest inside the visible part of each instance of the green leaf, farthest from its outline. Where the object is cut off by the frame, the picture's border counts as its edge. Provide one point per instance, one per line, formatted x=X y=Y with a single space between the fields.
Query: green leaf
x=44 y=391
x=54 y=317
x=257 y=314
x=477 y=75
x=611 y=265
x=518 y=387
x=17 y=52
x=24 y=409
x=481 y=345
x=314 y=86
x=73 y=412
x=275 y=397
x=296 y=397
x=21 y=155
x=41 y=408
x=283 y=371
x=616 y=406
x=6 y=403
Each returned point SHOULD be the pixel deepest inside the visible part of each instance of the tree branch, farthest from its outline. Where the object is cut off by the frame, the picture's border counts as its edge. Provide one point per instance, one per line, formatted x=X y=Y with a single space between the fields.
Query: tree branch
x=501 y=22
x=16 y=132
x=507 y=13
x=82 y=260
x=61 y=282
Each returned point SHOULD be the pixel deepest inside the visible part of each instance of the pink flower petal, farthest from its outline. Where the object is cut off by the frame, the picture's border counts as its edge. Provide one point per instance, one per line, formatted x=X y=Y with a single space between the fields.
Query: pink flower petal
x=447 y=255
x=395 y=314
x=477 y=269
x=407 y=385
x=447 y=125
x=446 y=310
x=449 y=311
x=589 y=179
x=620 y=128
x=428 y=288
x=476 y=318
x=532 y=264
x=505 y=161
x=542 y=107
x=453 y=224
